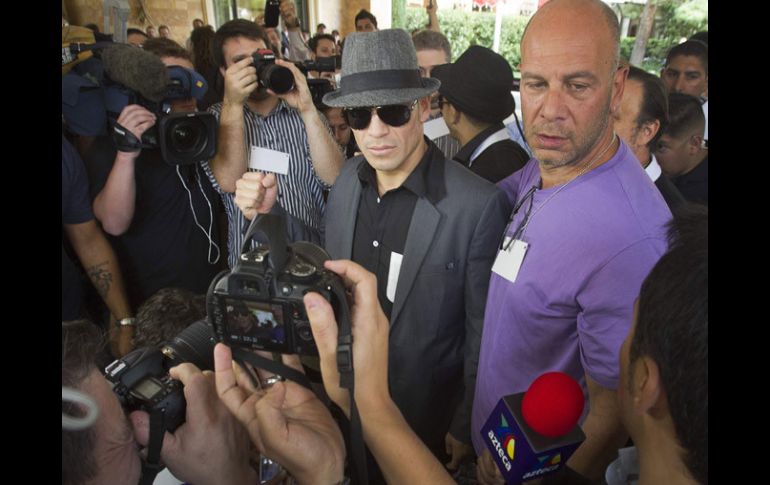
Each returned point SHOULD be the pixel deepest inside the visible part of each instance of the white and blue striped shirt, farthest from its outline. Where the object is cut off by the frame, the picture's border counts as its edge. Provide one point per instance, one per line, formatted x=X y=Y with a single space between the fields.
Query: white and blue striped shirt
x=300 y=192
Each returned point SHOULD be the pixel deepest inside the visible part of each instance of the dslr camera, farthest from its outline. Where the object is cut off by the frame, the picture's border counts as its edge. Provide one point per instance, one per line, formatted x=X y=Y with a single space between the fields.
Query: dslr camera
x=271 y=75
x=258 y=305
x=141 y=381
x=183 y=138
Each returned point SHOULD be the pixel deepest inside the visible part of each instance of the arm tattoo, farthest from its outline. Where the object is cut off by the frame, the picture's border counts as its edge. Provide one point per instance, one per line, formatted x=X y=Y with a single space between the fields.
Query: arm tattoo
x=101 y=278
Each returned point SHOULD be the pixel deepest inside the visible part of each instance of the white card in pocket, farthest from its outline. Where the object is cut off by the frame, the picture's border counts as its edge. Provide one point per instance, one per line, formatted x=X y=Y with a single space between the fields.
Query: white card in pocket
x=508 y=261
x=267 y=160
x=393 y=272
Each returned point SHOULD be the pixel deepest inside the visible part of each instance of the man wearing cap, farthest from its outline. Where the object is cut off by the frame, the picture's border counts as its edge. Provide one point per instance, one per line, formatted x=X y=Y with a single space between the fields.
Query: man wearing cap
x=475 y=98
x=161 y=218
x=427 y=229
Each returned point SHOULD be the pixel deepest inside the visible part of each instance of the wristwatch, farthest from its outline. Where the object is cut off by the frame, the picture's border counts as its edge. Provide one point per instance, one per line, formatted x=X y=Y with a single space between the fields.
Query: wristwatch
x=127 y=322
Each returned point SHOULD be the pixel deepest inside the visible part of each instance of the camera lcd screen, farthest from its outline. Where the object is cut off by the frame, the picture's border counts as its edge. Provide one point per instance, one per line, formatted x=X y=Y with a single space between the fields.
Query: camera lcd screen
x=254 y=322
x=147 y=388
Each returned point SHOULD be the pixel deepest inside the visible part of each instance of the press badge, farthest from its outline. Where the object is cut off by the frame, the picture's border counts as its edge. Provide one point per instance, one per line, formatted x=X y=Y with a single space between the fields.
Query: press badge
x=393 y=272
x=508 y=261
x=267 y=160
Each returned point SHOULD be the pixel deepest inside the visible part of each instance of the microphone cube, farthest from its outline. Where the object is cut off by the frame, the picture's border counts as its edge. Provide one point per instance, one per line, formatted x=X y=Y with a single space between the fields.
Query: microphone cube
x=520 y=452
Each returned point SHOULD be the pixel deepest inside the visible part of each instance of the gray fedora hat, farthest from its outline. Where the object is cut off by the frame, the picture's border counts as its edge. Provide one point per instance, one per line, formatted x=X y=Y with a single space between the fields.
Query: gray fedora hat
x=379 y=68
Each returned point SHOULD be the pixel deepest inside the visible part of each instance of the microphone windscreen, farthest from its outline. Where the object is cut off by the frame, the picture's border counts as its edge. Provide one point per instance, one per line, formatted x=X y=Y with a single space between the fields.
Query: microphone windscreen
x=553 y=404
x=137 y=70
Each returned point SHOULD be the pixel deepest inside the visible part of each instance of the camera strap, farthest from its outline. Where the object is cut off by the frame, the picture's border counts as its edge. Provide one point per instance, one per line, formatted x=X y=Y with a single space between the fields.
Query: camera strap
x=241 y=355
x=151 y=466
x=125 y=141
x=347 y=381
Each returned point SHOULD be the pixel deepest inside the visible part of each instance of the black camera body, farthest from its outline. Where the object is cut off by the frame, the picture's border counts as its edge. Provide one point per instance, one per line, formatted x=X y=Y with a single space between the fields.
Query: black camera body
x=320 y=64
x=140 y=379
x=270 y=75
x=183 y=138
x=259 y=306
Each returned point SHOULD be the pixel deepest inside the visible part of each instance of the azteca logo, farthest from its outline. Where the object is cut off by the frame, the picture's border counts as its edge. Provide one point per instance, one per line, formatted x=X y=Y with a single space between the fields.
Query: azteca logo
x=504 y=447
x=546 y=464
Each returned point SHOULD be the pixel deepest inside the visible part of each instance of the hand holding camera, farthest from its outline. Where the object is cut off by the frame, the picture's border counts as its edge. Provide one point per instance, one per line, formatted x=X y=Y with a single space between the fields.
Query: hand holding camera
x=287 y=423
x=240 y=81
x=210 y=442
x=136 y=119
x=370 y=338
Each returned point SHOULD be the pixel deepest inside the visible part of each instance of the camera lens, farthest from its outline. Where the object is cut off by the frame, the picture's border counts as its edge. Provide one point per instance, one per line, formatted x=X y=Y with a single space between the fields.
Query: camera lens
x=194 y=344
x=186 y=135
x=277 y=78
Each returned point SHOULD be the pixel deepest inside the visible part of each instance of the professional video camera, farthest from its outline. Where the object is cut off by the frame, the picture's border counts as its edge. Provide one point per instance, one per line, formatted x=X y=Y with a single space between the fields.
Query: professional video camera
x=94 y=93
x=320 y=64
x=141 y=381
x=259 y=304
x=183 y=138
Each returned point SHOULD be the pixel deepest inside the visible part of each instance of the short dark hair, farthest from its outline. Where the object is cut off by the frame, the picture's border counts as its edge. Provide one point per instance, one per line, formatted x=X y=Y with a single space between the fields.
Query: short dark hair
x=319 y=26
x=165 y=47
x=236 y=28
x=654 y=102
x=693 y=48
x=166 y=313
x=430 y=39
x=685 y=115
x=365 y=14
x=313 y=42
x=163 y=26
x=81 y=343
x=672 y=329
x=132 y=30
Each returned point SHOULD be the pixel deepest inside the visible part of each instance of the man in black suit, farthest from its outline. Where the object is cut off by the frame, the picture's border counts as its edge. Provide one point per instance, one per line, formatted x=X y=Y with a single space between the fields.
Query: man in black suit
x=640 y=120
x=428 y=230
x=475 y=97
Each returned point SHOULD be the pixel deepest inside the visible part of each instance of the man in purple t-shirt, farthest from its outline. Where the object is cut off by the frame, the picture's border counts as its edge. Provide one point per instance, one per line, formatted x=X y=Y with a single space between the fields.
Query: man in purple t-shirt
x=587 y=227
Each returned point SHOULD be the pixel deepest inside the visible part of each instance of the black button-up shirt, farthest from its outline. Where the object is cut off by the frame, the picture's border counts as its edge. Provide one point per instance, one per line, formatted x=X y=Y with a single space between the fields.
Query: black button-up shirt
x=382 y=223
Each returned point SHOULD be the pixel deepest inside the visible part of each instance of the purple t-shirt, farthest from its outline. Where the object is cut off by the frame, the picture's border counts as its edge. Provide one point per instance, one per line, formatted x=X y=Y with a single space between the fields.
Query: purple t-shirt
x=590 y=248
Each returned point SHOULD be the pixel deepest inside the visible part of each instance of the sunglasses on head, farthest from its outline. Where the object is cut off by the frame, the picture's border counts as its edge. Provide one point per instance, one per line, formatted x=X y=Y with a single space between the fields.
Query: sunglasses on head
x=393 y=114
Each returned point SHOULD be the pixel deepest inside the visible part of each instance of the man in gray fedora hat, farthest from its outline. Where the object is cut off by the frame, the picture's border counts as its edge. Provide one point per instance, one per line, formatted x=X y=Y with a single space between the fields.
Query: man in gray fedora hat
x=426 y=228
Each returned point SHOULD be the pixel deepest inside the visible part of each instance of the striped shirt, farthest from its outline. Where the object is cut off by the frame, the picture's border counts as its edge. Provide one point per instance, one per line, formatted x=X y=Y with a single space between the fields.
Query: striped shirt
x=300 y=192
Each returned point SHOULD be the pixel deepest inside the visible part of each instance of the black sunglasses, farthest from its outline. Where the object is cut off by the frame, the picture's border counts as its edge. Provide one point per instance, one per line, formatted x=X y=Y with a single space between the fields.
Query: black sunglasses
x=393 y=114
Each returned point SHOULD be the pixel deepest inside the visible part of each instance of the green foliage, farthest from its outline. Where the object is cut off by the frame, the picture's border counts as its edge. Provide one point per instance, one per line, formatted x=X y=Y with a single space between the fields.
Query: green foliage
x=675 y=20
x=464 y=29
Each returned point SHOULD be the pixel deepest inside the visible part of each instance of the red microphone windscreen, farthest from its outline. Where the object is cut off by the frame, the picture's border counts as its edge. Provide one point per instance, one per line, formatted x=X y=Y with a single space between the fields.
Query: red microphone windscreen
x=553 y=404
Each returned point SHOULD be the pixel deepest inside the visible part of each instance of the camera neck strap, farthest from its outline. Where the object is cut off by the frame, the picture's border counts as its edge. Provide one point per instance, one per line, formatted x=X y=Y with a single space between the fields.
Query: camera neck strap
x=151 y=466
x=244 y=356
x=274 y=227
x=347 y=380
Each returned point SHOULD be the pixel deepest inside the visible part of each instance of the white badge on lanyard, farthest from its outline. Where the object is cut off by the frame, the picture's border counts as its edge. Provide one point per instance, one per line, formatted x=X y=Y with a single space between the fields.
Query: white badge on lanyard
x=509 y=259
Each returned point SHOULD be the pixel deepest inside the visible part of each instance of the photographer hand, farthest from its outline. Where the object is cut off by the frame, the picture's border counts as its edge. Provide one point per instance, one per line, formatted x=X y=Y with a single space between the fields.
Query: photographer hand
x=288 y=423
x=240 y=81
x=370 y=338
x=402 y=457
x=298 y=98
x=255 y=193
x=136 y=119
x=211 y=447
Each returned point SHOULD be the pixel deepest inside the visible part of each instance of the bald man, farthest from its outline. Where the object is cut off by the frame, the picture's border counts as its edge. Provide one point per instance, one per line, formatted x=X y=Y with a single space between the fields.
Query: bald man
x=587 y=227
